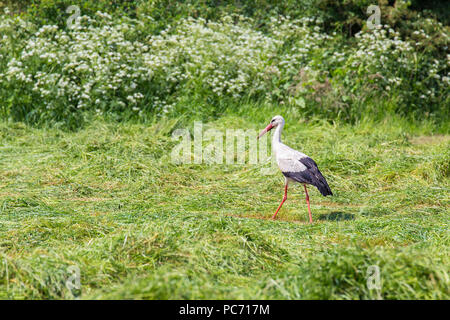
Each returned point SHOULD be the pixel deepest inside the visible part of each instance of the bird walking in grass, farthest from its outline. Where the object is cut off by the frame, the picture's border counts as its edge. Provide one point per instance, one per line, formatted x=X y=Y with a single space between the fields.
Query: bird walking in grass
x=295 y=166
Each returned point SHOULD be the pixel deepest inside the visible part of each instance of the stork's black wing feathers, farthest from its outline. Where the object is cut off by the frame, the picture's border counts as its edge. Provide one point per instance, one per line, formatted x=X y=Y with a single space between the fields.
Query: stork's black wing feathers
x=311 y=175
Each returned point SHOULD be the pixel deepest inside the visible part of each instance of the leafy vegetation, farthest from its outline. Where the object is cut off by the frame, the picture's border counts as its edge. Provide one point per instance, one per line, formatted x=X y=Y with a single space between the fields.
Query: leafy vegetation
x=65 y=70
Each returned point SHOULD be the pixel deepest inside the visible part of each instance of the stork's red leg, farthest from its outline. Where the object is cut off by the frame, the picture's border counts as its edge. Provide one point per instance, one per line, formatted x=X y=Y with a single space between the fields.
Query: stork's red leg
x=307 y=201
x=284 y=199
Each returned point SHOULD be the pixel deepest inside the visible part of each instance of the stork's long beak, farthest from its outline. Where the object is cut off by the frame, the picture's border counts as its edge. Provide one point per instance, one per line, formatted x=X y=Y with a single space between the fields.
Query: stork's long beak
x=268 y=128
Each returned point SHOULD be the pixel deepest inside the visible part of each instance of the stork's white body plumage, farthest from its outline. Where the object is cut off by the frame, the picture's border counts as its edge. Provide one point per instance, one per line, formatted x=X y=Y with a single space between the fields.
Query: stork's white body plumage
x=287 y=158
x=295 y=165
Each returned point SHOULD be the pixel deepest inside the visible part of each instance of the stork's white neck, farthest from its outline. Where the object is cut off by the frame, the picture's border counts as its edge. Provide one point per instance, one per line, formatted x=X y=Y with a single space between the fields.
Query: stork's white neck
x=276 y=138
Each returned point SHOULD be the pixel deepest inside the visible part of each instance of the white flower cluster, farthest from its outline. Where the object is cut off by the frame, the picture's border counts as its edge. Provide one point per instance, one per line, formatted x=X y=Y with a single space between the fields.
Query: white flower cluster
x=223 y=57
x=382 y=57
x=381 y=52
x=101 y=64
x=304 y=36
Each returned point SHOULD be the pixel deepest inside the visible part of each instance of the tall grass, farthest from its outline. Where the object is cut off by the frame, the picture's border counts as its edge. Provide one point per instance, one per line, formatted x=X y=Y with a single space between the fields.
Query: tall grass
x=108 y=200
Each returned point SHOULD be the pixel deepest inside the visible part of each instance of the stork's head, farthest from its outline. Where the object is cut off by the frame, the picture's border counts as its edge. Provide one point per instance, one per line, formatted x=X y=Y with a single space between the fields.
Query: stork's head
x=275 y=122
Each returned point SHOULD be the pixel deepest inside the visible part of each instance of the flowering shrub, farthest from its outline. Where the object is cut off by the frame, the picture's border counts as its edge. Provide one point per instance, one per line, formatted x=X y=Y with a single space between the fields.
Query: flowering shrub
x=95 y=65
x=111 y=66
x=382 y=62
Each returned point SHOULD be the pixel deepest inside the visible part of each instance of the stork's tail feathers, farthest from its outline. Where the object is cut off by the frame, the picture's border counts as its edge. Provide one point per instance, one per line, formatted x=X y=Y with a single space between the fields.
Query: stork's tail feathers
x=323 y=186
x=315 y=176
x=310 y=175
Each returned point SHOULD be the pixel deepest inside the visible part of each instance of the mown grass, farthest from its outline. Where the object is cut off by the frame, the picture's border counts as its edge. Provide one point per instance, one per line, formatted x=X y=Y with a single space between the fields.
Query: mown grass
x=108 y=199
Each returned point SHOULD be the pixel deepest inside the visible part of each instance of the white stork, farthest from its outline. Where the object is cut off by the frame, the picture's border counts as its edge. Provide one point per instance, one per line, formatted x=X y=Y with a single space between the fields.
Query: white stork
x=296 y=166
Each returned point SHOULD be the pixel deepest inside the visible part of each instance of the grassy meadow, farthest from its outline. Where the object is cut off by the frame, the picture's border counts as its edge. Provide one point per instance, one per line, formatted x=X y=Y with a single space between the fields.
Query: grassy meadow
x=87 y=180
x=108 y=200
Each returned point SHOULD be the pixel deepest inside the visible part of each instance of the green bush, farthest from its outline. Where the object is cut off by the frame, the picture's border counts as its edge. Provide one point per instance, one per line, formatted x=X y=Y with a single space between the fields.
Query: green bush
x=44 y=12
x=200 y=58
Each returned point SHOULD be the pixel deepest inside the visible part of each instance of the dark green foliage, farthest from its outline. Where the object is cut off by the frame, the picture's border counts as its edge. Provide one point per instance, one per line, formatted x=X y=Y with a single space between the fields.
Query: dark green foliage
x=54 y=11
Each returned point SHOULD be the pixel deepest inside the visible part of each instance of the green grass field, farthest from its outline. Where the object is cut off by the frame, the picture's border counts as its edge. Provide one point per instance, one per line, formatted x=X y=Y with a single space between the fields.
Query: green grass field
x=108 y=200
x=92 y=205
